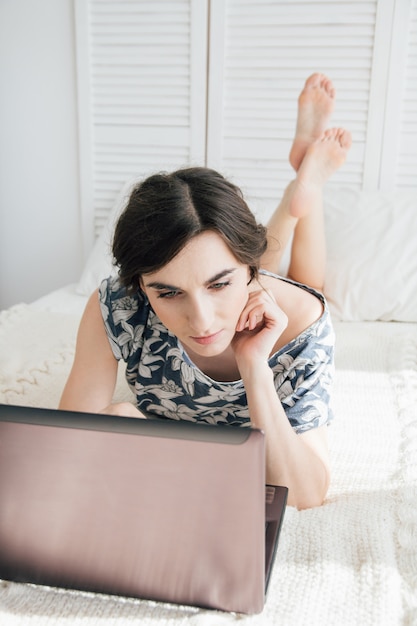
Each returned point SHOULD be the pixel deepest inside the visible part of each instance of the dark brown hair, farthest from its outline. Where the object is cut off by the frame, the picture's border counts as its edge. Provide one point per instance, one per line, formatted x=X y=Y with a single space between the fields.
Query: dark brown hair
x=166 y=211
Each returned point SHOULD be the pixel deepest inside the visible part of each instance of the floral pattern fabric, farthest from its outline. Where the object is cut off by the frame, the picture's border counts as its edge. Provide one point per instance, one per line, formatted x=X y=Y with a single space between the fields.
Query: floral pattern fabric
x=168 y=385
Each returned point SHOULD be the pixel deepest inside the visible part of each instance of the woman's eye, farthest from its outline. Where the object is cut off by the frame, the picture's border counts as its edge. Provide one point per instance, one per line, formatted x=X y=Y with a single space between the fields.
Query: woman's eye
x=218 y=286
x=168 y=294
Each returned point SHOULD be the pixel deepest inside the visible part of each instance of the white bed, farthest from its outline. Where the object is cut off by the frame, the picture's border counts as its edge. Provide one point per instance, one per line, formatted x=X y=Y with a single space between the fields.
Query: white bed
x=351 y=561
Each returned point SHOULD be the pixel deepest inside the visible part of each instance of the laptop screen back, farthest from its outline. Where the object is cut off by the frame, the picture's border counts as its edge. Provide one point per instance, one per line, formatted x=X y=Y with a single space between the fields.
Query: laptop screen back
x=151 y=509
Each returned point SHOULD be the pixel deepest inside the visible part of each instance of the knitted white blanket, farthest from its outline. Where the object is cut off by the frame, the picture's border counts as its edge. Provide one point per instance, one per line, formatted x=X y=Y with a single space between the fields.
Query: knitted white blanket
x=351 y=561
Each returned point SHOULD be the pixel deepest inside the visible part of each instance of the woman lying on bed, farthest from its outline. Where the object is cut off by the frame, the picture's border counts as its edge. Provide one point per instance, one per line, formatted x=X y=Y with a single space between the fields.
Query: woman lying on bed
x=206 y=334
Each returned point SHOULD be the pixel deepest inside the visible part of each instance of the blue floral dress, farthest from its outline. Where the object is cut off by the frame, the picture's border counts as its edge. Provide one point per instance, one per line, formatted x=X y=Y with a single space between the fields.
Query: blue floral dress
x=168 y=385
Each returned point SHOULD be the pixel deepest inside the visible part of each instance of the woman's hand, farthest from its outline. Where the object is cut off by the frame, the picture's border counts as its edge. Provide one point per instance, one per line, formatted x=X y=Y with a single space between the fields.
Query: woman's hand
x=259 y=327
x=124 y=409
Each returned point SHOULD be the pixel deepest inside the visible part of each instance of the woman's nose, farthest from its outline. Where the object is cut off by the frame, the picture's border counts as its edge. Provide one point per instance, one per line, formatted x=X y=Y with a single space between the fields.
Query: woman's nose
x=200 y=316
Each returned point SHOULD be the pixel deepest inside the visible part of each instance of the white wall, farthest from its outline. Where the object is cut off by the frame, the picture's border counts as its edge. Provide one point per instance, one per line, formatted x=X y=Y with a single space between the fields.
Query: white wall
x=40 y=243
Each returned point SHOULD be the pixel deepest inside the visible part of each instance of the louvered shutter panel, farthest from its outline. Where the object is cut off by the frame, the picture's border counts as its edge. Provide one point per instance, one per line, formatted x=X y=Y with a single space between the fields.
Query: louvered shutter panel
x=142 y=76
x=257 y=72
x=395 y=100
x=406 y=171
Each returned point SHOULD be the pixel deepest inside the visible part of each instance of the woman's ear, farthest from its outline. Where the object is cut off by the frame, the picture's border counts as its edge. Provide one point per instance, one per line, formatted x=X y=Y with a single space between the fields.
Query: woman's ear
x=252 y=272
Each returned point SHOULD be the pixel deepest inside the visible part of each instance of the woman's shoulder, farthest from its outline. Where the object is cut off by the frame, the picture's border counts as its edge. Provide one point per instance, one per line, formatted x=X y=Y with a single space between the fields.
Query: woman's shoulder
x=125 y=316
x=117 y=303
x=112 y=290
x=303 y=305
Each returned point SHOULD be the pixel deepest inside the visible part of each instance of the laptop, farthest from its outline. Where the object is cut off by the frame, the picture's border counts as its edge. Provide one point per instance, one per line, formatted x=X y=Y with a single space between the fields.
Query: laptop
x=153 y=509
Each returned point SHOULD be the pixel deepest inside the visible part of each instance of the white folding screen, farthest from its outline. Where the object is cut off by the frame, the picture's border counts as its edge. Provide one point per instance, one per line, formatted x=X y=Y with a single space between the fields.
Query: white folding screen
x=268 y=49
x=164 y=84
x=406 y=170
x=142 y=94
x=398 y=101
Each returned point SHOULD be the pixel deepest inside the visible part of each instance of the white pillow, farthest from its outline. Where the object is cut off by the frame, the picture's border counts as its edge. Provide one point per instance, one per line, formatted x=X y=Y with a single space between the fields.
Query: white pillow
x=371 y=255
x=99 y=264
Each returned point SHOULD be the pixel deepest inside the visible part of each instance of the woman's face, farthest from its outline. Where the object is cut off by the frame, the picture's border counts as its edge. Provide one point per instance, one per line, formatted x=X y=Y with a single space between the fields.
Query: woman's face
x=200 y=294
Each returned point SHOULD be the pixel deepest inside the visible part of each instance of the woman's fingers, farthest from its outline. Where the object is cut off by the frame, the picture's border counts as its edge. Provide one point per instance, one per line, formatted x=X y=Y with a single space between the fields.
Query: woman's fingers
x=261 y=309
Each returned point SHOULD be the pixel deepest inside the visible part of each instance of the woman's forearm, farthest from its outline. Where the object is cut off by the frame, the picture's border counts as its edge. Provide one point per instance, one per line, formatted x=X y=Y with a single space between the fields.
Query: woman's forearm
x=290 y=460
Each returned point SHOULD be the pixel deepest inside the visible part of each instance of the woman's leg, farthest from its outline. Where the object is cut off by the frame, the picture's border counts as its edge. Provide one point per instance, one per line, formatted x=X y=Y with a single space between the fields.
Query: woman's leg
x=315 y=107
x=308 y=250
x=315 y=155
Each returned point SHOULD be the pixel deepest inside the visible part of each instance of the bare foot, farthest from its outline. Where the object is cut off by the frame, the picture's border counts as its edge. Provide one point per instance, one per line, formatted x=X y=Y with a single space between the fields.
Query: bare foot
x=315 y=106
x=323 y=157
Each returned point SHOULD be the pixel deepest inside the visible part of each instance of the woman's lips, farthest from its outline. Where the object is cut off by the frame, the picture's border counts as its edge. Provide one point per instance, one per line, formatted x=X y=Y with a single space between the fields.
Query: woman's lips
x=207 y=339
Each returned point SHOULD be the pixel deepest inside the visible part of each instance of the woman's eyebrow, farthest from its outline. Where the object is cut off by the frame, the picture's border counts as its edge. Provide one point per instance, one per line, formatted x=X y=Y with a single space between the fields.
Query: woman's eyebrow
x=163 y=286
x=160 y=286
x=220 y=275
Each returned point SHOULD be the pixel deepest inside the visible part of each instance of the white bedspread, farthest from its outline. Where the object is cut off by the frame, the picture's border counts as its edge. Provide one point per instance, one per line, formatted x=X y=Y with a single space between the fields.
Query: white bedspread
x=351 y=561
